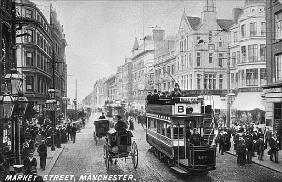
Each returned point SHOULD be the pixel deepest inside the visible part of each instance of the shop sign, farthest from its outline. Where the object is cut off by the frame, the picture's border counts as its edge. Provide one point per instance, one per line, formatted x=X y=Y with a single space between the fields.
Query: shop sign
x=189 y=100
x=271 y=90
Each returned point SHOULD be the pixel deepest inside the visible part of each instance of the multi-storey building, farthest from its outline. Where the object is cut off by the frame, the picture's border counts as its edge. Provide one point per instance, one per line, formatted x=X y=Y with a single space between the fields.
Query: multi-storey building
x=273 y=92
x=58 y=47
x=164 y=66
x=118 y=83
x=99 y=96
x=126 y=77
x=202 y=52
x=35 y=53
x=247 y=57
x=142 y=69
x=110 y=88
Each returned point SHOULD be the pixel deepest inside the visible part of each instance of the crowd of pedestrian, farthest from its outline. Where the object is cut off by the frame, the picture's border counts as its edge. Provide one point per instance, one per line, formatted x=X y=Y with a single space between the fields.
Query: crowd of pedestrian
x=37 y=138
x=249 y=142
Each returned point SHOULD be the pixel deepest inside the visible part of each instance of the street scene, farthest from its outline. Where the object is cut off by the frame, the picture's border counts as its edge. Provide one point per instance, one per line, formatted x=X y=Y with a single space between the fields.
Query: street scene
x=141 y=90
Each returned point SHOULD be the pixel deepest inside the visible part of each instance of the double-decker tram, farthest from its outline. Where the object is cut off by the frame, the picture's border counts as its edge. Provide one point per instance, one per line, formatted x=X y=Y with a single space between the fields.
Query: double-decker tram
x=180 y=131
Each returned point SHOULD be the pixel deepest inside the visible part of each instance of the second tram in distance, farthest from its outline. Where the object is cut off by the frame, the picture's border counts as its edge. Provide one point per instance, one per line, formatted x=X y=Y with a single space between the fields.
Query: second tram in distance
x=181 y=133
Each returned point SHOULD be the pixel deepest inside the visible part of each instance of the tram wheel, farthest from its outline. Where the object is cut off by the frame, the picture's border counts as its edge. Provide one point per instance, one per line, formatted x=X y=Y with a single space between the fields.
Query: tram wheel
x=134 y=155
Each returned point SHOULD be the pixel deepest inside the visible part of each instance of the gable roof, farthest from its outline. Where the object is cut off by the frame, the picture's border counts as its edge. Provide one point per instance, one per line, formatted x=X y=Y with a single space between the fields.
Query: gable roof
x=194 y=21
x=224 y=23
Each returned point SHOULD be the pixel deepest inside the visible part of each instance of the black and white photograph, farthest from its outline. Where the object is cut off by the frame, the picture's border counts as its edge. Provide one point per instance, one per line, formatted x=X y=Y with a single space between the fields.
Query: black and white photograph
x=140 y=90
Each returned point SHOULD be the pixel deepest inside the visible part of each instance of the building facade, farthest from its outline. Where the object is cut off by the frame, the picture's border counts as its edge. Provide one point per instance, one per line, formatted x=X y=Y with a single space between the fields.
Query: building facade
x=272 y=91
x=126 y=79
x=247 y=59
x=43 y=43
x=202 y=54
x=164 y=66
x=142 y=66
x=99 y=94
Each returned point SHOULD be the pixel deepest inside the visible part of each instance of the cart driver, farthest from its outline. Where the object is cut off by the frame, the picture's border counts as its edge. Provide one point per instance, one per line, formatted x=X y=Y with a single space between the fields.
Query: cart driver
x=102 y=116
x=120 y=125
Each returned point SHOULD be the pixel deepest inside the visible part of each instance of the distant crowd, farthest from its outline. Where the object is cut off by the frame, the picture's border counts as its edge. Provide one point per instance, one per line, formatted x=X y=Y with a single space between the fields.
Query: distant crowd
x=249 y=142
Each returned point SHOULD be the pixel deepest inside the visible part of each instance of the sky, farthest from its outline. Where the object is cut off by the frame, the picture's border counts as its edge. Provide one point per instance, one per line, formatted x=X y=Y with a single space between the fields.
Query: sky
x=100 y=34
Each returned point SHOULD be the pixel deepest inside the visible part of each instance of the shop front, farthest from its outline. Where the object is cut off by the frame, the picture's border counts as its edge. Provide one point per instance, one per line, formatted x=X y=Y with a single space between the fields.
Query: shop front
x=247 y=108
x=273 y=103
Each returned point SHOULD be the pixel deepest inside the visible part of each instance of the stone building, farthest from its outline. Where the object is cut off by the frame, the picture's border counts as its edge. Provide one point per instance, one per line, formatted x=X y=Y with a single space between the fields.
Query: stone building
x=99 y=94
x=164 y=65
x=202 y=53
x=273 y=91
x=35 y=54
x=248 y=61
x=142 y=68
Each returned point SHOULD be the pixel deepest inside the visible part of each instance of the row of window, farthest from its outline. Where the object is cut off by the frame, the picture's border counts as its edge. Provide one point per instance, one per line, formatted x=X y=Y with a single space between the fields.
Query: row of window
x=209 y=81
x=253 y=30
x=248 y=77
x=165 y=129
x=183 y=43
x=255 y=53
x=31 y=14
x=42 y=84
x=42 y=62
x=138 y=75
x=185 y=63
x=166 y=71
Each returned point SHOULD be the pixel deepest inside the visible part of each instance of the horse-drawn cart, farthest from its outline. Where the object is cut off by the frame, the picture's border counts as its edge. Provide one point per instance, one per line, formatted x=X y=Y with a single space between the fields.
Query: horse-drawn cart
x=102 y=127
x=119 y=145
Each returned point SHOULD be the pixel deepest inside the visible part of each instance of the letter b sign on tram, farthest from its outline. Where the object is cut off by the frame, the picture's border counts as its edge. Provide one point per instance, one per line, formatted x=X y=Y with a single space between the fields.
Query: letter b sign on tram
x=180 y=109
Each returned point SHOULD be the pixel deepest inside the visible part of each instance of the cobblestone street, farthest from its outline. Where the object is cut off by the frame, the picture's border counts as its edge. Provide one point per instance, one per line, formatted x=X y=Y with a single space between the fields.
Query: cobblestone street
x=84 y=157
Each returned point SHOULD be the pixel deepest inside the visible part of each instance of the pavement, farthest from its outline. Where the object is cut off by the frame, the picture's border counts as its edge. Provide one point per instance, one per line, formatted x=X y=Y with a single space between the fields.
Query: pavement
x=266 y=159
x=52 y=157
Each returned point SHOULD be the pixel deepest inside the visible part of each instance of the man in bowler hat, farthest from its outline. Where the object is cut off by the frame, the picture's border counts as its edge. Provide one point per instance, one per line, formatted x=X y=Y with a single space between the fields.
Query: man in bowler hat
x=42 y=151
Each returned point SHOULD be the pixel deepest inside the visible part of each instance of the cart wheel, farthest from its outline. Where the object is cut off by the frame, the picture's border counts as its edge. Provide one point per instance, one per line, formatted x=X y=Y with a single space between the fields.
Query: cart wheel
x=134 y=154
x=106 y=156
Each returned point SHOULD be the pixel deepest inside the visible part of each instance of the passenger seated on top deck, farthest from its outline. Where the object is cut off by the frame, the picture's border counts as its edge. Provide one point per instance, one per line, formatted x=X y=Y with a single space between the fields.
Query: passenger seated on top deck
x=177 y=91
x=102 y=117
x=155 y=97
x=149 y=98
x=195 y=138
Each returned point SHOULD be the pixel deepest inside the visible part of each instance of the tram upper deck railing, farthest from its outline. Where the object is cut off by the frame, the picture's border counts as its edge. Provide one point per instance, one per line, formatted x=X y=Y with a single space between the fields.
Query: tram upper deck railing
x=173 y=100
x=174 y=105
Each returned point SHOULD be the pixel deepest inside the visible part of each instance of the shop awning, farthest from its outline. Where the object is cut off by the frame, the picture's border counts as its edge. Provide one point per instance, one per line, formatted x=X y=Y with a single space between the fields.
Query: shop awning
x=247 y=101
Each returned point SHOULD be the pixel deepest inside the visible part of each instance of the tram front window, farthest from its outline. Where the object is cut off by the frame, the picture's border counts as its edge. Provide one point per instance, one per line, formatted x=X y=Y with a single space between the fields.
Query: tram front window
x=175 y=133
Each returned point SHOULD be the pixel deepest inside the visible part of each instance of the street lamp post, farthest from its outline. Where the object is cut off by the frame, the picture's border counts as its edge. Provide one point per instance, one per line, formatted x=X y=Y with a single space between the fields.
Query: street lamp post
x=14 y=80
x=66 y=105
x=51 y=106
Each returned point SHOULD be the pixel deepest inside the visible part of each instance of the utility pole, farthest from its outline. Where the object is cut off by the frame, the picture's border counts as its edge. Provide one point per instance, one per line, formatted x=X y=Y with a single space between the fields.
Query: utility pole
x=53 y=112
x=75 y=104
x=228 y=93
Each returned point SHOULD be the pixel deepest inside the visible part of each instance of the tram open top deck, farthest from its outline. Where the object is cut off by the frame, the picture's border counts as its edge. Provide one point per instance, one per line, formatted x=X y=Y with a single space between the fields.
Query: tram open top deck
x=179 y=106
